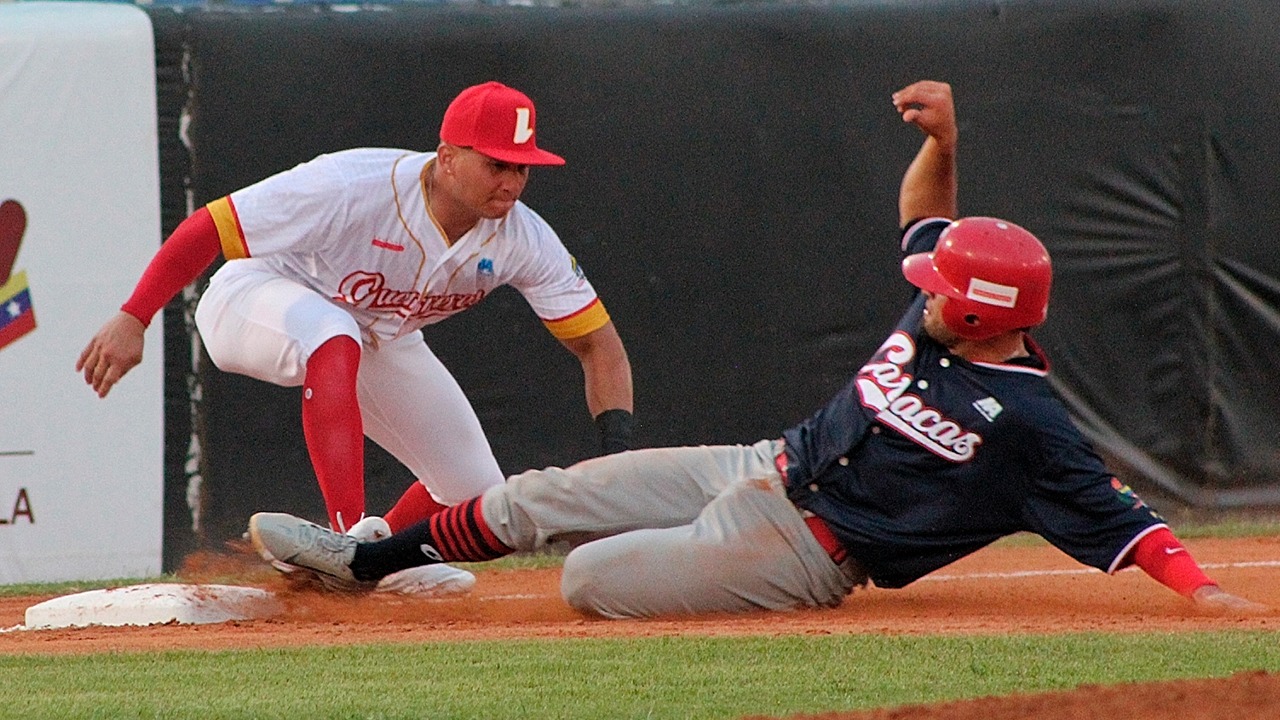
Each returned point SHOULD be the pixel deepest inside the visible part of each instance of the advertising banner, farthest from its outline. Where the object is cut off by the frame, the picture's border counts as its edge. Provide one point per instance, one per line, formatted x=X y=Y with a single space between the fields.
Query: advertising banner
x=80 y=476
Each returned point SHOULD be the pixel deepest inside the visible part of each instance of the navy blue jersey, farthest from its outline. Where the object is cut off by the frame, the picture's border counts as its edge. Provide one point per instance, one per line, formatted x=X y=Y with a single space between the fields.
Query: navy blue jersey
x=926 y=457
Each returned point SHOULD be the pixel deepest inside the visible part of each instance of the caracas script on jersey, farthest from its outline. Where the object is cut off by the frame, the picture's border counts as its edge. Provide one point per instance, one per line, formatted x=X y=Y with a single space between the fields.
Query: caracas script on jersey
x=925 y=457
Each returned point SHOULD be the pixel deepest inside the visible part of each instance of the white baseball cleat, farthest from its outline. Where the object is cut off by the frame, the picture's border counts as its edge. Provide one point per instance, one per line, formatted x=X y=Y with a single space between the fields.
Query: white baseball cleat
x=428 y=581
x=303 y=544
x=370 y=528
x=327 y=555
x=267 y=557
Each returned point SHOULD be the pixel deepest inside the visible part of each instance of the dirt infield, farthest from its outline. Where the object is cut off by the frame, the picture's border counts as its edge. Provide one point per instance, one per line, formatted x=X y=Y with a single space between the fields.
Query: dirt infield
x=1008 y=589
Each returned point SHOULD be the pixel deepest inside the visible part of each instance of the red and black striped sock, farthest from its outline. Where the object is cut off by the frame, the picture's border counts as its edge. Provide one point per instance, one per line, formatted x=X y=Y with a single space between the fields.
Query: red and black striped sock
x=458 y=534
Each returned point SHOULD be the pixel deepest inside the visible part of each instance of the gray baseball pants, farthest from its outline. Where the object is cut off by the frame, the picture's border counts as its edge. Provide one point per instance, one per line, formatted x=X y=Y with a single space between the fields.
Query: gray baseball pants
x=672 y=531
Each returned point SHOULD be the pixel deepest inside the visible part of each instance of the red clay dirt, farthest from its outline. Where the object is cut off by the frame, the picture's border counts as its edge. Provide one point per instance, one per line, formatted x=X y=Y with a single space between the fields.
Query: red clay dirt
x=1007 y=589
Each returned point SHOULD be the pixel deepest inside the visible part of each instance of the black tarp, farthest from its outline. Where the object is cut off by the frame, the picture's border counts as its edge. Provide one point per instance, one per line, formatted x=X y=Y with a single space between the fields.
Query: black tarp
x=731 y=192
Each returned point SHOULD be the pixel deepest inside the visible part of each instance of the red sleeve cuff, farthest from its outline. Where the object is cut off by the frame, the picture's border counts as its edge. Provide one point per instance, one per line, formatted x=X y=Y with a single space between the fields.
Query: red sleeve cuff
x=189 y=250
x=1164 y=558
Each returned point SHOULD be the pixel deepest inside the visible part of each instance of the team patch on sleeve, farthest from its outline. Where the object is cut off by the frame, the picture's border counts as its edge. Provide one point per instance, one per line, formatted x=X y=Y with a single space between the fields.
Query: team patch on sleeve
x=230 y=233
x=588 y=319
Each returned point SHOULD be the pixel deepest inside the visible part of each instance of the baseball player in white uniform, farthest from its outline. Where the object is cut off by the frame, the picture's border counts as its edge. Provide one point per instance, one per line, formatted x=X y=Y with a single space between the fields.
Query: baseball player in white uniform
x=333 y=269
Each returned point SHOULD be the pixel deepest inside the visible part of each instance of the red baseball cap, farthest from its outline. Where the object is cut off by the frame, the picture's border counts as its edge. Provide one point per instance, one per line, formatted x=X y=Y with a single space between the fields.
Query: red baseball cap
x=497 y=121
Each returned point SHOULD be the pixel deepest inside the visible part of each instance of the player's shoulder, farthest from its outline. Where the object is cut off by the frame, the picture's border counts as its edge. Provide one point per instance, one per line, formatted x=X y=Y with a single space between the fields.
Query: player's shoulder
x=360 y=154
x=525 y=223
x=1041 y=413
x=357 y=161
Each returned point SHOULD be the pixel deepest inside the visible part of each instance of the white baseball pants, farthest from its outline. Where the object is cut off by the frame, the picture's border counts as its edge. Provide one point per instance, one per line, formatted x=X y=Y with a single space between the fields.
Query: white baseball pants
x=256 y=323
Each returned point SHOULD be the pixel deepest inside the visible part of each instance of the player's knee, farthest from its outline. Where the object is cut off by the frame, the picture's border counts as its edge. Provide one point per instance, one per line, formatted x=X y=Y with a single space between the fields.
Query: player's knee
x=575 y=582
x=584 y=582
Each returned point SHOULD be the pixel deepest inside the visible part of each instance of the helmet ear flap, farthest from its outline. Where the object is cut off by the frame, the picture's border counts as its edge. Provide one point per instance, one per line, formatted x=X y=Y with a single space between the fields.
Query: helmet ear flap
x=963 y=318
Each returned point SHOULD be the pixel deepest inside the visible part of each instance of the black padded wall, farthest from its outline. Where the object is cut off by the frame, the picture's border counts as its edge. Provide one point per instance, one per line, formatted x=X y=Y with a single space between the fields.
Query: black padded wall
x=731 y=192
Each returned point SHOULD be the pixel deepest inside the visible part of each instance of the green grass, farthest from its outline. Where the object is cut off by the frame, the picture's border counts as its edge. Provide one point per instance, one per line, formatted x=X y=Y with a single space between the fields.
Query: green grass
x=1229 y=529
x=687 y=678
x=1235 y=528
x=669 y=677
x=66 y=588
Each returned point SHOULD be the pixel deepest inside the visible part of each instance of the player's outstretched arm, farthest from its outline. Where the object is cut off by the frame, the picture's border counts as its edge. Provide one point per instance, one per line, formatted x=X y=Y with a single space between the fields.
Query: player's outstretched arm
x=1162 y=556
x=929 y=187
x=117 y=347
x=607 y=376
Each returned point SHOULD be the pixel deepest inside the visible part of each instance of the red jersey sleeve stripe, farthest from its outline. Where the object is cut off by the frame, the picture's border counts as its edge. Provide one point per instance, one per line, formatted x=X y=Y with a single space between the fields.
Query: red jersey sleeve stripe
x=230 y=234
x=588 y=319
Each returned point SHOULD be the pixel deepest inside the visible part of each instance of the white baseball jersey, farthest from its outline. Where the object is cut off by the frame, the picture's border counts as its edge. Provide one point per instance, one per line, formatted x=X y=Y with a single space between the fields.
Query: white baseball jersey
x=354 y=227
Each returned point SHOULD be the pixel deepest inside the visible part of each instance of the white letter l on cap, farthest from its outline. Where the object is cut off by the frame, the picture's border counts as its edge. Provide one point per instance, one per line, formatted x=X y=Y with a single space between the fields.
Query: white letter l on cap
x=523 y=131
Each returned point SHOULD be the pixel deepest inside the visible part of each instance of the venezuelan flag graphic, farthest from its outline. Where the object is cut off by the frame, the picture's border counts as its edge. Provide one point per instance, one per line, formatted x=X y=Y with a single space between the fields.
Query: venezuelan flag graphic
x=17 y=317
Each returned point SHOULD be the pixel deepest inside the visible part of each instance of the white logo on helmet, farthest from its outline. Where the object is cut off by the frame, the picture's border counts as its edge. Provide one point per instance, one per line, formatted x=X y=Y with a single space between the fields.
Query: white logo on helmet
x=989 y=293
x=524 y=130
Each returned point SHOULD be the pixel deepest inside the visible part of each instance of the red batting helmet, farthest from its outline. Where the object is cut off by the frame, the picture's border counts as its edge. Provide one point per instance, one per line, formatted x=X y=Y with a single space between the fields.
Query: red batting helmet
x=995 y=274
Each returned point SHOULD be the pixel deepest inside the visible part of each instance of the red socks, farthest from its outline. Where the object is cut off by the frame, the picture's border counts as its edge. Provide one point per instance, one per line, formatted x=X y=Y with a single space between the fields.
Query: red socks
x=335 y=440
x=413 y=507
x=1161 y=556
x=333 y=429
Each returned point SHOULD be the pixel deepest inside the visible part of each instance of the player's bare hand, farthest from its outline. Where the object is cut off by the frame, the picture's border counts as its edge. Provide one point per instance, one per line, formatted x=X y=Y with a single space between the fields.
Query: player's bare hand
x=929 y=106
x=114 y=351
x=1214 y=599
